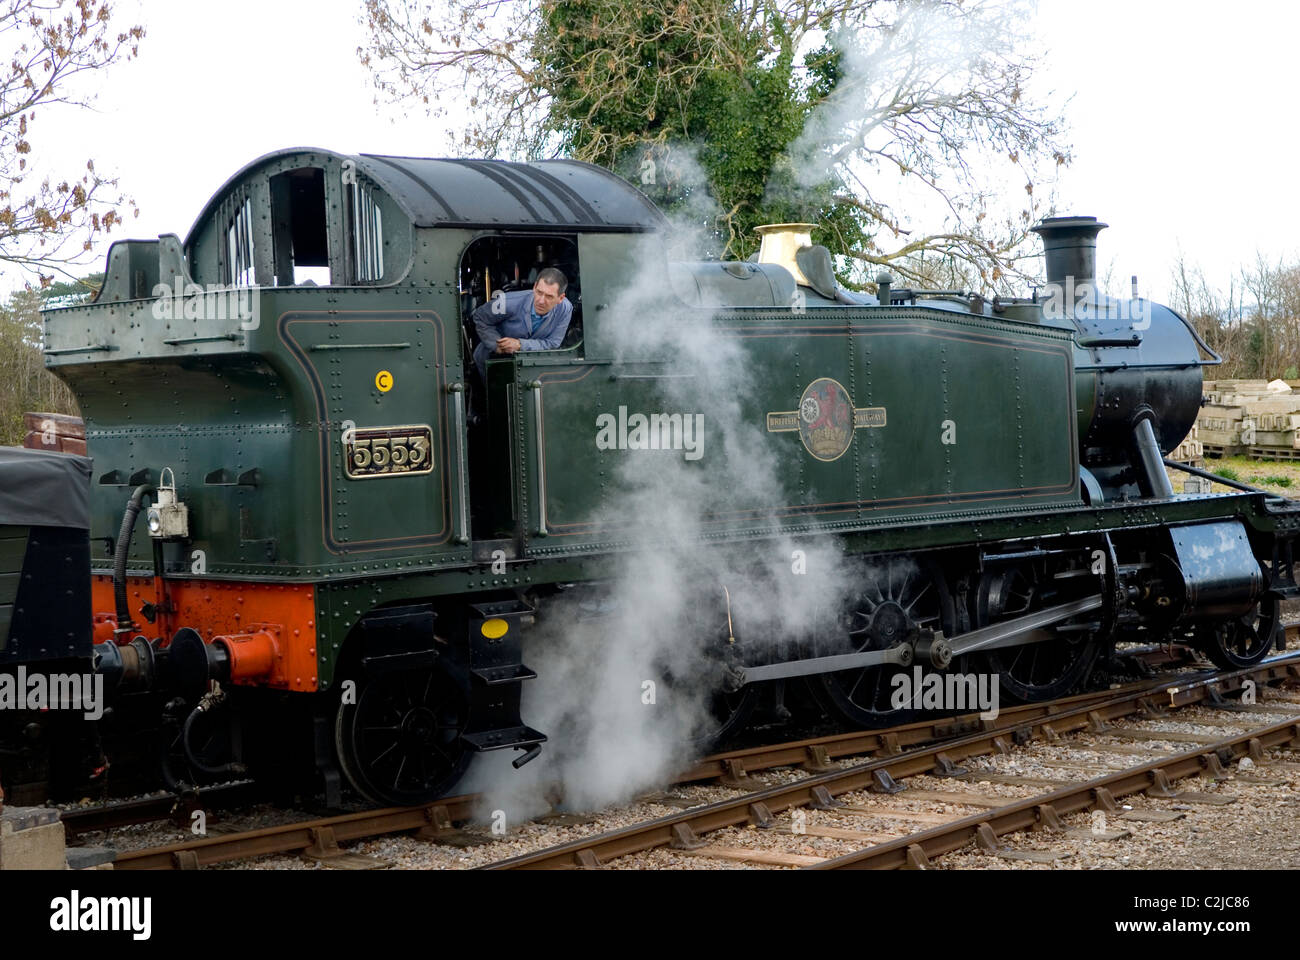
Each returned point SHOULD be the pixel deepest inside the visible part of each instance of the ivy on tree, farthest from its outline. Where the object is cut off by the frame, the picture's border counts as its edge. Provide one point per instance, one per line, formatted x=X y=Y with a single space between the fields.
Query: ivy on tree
x=843 y=113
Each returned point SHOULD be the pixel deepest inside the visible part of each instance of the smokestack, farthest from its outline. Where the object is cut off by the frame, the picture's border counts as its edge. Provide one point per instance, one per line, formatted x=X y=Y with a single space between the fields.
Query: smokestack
x=1070 y=247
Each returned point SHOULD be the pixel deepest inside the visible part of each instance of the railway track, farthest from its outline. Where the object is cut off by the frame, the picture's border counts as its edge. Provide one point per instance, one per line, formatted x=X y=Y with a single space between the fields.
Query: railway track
x=123 y=813
x=913 y=743
x=685 y=833
x=1156 y=779
x=731 y=767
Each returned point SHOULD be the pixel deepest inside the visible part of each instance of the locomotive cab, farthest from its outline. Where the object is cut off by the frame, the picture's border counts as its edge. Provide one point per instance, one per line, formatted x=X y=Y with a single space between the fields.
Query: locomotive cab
x=501 y=263
x=493 y=265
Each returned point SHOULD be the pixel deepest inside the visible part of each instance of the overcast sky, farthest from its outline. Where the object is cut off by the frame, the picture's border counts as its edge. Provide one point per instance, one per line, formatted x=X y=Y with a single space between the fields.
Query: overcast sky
x=1181 y=117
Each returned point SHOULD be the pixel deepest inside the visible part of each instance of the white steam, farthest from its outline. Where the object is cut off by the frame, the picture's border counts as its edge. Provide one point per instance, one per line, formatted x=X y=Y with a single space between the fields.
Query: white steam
x=625 y=680
x=926 y=123
x=918 y=64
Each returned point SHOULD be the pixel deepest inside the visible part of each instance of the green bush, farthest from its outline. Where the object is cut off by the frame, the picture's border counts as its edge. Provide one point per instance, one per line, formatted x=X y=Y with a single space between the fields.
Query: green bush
x=1276 y=480
x=1227 y=473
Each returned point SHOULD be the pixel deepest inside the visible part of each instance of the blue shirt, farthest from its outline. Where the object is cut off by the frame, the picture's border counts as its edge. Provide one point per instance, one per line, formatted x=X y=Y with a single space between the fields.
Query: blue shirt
x=533 y=331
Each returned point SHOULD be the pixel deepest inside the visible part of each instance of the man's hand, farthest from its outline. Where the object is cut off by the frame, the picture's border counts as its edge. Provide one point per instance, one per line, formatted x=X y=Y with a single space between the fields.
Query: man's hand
x=508 y=345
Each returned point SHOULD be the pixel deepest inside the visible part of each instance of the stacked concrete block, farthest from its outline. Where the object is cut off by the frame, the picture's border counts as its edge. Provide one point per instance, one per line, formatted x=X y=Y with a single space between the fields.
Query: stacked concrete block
x=31 y=838
x=1191 y=451
x=1255 y=418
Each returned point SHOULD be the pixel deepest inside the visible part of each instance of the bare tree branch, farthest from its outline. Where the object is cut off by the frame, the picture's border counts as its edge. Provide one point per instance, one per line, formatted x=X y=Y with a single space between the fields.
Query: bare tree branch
x=927 y=95
x=49 y=224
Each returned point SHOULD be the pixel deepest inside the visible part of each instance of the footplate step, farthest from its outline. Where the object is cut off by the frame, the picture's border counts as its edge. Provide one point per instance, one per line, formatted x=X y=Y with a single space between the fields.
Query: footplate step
x=485 y=740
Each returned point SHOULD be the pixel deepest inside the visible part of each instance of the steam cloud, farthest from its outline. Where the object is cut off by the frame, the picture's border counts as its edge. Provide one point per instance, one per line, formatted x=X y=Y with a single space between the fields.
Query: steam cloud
x=661 y=617
x=879 y=71
x=912 y=128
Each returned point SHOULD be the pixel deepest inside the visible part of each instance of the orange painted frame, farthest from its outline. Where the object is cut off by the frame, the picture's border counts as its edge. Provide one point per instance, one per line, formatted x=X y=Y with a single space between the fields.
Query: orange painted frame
x=215 y=609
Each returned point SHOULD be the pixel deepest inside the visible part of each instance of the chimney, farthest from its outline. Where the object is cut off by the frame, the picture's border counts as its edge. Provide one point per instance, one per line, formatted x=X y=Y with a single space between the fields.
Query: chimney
x=1070 y=248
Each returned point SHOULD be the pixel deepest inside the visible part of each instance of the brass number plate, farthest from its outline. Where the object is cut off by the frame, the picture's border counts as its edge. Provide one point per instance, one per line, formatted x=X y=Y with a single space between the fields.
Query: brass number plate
x=387 y=452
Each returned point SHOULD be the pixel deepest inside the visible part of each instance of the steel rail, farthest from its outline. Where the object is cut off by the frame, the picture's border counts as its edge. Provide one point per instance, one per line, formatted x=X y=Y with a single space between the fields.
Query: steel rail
x=891 y=740
x=324 y=834
x=1041 y=811
x=729 y=764
x=438 y=816
x=291 y=838
x=129 y=812
x=762 y=804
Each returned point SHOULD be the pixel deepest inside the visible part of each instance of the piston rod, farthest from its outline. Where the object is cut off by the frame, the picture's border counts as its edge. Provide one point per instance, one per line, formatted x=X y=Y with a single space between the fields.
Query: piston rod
x=1022 y=630
x=1010 y=633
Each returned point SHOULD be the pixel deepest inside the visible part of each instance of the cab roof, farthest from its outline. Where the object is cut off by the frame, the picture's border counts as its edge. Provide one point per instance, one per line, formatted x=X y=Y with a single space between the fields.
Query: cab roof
x=433 y=192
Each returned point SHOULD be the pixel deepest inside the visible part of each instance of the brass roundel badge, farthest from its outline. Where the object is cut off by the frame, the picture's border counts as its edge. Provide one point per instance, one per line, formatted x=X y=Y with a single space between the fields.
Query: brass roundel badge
x=826 y=419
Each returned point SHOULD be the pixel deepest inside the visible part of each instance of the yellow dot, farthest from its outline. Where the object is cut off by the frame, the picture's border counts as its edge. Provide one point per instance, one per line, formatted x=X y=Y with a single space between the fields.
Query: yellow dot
x=494 y=628
x=383 y=381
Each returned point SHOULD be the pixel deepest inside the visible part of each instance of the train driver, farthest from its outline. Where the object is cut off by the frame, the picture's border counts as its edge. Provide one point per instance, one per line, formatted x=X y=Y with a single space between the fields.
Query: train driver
x=534 y=319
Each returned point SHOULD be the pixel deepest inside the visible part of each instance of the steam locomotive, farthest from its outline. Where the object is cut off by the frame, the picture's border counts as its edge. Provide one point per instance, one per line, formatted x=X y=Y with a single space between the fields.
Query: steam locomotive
x=347 y=537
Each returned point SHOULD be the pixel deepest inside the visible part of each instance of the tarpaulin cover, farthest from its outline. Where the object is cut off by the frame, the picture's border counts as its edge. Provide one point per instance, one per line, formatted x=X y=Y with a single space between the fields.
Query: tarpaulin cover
x=41 y=488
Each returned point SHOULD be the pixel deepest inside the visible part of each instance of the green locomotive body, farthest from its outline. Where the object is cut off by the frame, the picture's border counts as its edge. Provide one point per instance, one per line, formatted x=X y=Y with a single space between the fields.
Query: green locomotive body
x=334 y=495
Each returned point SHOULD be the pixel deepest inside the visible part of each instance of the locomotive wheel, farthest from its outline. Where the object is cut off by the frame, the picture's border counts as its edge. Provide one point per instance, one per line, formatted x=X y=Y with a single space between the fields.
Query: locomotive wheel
x=1246 y=640
x=1036 y=671
x=724 y=713
x=399 y=744
x=889 y=608
x=728 y=713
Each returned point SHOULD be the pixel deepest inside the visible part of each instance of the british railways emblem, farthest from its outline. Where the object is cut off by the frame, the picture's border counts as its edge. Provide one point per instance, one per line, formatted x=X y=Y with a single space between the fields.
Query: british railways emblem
x=826 y=419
